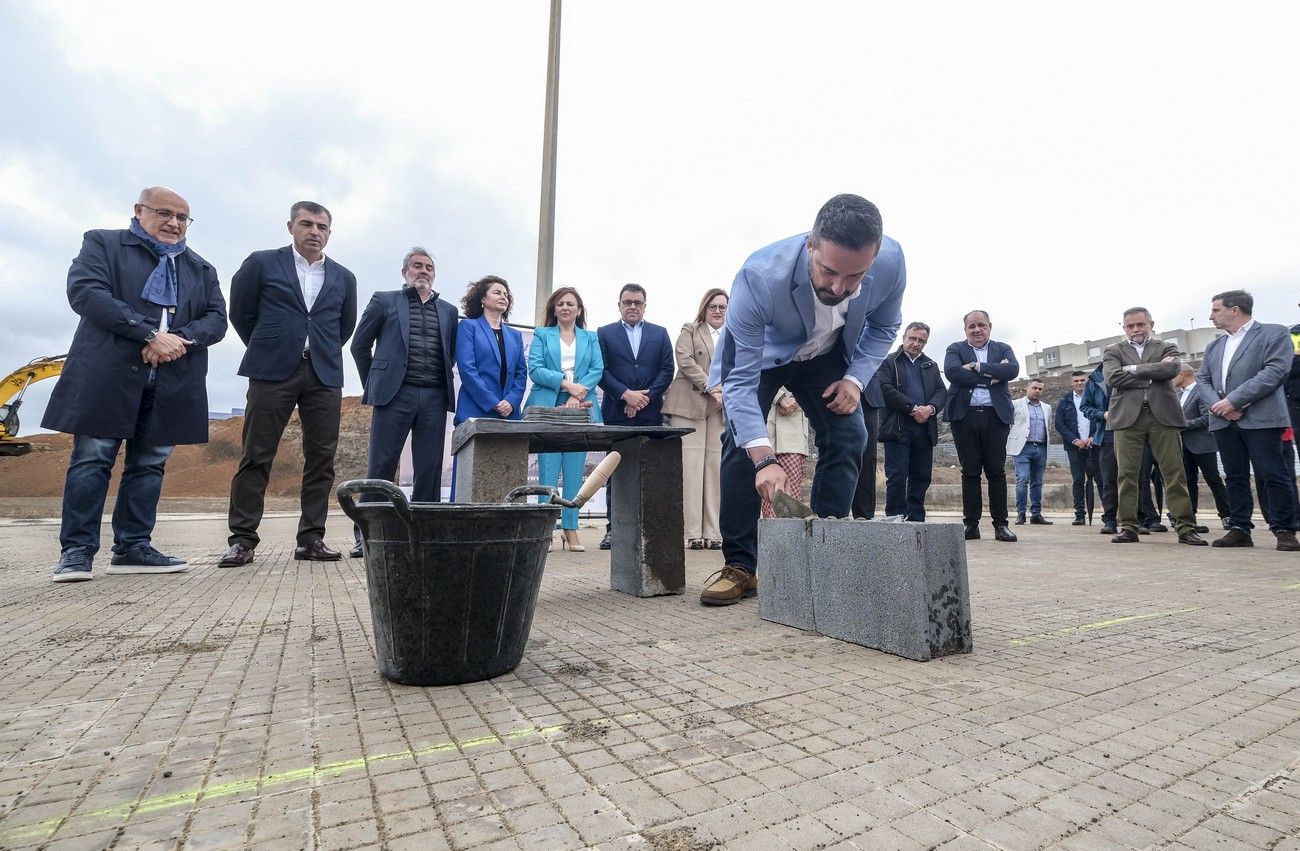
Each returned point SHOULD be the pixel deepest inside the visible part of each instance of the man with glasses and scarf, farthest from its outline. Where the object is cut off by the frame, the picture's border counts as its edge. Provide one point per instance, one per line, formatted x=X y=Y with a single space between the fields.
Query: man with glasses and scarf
x=136 y=372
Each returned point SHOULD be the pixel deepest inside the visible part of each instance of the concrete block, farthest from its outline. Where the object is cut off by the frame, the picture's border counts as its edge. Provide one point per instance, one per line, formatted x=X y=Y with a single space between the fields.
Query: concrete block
x=897 y=587
x=646 y=529
x=488 y=467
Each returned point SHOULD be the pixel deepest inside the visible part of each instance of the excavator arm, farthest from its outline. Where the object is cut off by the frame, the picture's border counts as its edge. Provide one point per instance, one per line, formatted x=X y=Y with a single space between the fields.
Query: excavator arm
x=12 y=388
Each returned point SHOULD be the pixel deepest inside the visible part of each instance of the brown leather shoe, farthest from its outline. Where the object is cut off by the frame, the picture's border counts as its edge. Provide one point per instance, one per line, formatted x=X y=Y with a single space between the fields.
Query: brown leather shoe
x=237 y=556
x=1192 y=539
x=1287 y=543
x=732 y=585
x=1235 y=538
x=316 y=551
x=1126 y=536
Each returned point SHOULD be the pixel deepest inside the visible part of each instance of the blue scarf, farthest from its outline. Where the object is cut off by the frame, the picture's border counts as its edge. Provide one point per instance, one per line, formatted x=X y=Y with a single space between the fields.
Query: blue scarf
x=160 y=289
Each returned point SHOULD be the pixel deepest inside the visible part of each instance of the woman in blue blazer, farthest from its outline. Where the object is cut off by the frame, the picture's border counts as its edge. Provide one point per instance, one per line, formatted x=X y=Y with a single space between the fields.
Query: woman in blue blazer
x=489 y=354
x=565 y=364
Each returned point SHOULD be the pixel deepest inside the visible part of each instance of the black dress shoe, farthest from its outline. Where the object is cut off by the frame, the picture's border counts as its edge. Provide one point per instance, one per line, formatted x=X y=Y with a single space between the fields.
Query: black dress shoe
x=237 y=556
x=1142 y=530
x=1126 y=536
x=1235 y=538
x=1192 y=539
x=1201 y=530
x=1108 y=529
x=1078 y=521
x=605 y=542
x=972 y=532
x=1002 y=533
x=1020 y=519
x=357 y=551
x=1156 y=527
x=1039 y=520
x=316 y=551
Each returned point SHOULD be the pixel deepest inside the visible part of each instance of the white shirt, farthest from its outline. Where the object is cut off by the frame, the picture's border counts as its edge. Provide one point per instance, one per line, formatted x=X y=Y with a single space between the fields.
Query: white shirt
x=715 y=333
x=311 y=277
x=1139 y=348
x=1187 y=391
x=1230 y=347
x=827 y=322
x=1083 y=424
x=568 y=355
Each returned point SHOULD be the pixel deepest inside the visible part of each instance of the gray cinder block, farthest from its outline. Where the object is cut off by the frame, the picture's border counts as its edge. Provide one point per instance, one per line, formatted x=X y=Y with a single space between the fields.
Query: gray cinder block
x=897 y=587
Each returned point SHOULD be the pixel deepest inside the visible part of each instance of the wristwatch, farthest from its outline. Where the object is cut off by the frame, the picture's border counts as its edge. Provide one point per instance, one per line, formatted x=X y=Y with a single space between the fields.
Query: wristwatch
x=151 y=336
x=767 y=461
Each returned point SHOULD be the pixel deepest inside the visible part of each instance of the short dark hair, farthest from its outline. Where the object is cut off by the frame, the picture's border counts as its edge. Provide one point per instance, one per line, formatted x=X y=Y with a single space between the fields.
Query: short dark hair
x=1237 y=298
x=1078 y=372
x=850 y=221
x=917 y=326
x=987 y=318
x=636 y=288
x=472 y=303
x=548 y=318
x=708 y=297
x=1133 y=310
x=311 y=207
x=1033 y=381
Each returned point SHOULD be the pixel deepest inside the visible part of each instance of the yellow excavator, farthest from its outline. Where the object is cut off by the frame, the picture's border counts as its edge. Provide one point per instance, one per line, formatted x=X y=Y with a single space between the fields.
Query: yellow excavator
x=12 y=388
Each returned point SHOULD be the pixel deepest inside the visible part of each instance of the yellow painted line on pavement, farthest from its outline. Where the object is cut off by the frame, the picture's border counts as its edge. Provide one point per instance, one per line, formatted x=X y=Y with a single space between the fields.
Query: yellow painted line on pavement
x=1295 y=587
x=46 y=827
x=1088 y=627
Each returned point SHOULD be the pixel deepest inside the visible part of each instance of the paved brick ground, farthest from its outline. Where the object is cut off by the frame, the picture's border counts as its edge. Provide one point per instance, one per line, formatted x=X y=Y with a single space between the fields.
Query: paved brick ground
x=1118 y=697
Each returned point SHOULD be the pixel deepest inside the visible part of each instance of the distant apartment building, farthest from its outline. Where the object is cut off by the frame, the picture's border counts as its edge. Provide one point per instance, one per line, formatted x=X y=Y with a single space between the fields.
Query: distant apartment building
x=1067 y=357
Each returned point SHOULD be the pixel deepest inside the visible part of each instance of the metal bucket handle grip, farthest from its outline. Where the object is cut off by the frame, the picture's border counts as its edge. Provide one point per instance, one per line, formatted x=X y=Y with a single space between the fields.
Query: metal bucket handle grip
x=347 y=496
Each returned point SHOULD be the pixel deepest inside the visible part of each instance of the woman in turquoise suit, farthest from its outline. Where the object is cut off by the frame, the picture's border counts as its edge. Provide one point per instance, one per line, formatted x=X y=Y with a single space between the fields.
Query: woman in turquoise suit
x=489 y=355
x=565 y=364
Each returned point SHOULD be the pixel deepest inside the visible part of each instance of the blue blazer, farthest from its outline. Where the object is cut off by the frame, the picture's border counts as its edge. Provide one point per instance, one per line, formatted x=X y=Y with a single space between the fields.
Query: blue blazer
x=993 y=376
x=382 y=342
x=651 y=369
x=98 y=394
x=773 y=312
x=544 y=368
x=479 y=362
x=268 y=313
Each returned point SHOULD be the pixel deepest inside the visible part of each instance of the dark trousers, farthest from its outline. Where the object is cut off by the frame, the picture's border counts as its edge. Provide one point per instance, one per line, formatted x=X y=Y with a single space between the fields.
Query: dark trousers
x=839 y=439
x=1240 y=448
x=1261 y=491
x=909 y=467
x=864 y=496
x=981 y=439
x=1082 y=463
x=270 y=404
x=420 y=412
x=1208 y=464
x=1147 y=514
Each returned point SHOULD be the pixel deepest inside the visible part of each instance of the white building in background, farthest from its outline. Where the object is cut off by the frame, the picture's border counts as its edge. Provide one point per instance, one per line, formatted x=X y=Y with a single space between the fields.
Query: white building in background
x=1067 y=357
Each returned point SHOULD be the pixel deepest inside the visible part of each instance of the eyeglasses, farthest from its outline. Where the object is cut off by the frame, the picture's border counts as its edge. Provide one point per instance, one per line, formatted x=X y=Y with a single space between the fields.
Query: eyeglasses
x=632 y=303
x=717 y=308
x=182 y=219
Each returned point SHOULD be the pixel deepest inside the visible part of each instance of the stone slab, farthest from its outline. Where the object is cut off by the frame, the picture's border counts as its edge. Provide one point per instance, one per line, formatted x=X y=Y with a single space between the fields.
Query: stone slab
x=646 y=555
x=897 y=587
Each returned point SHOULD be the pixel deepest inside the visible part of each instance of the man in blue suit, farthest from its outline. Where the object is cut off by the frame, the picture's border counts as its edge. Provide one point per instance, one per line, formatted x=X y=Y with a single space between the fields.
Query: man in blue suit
x=405 y=348
x=294 y=308
x=979 y=408
x=137 y=372
x=638 y=369
x=816 y=313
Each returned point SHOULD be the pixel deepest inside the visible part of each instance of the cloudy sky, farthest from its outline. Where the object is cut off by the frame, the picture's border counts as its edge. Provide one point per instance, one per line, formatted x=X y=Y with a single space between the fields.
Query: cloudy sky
x=1050 y=164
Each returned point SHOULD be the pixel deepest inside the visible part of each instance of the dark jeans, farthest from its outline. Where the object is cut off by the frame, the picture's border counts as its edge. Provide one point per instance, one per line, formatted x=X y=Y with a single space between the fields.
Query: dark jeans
x=1208 y=464
x=1030 y=464
x=1083 y=462
x=981 y=439
x=864 y=495
x=1261 y=491
x=839 y=439
x=270 y=404
x=419 y=412
x=86 y=487
x=1262 y=447
x=909 y=467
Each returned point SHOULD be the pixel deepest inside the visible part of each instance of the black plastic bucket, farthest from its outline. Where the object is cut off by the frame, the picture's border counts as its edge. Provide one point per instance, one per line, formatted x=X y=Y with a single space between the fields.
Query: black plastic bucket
x=453 y=587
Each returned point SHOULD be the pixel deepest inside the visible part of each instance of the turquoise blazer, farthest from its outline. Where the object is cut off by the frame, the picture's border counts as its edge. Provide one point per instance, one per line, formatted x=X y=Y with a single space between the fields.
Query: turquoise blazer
x=544 y=368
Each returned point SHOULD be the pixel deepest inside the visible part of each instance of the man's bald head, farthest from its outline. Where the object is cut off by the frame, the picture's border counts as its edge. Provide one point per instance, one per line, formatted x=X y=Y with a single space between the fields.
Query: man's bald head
x=163 y=214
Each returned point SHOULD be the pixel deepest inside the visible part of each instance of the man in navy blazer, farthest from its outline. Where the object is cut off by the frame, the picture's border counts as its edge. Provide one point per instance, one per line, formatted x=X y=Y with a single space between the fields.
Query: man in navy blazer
x=638 y=369
x=1241 y=381
x=979 y=408
x=294 y=308
x=815 y=313
x=1075 y=428
x=405 y=348
x=137 y=371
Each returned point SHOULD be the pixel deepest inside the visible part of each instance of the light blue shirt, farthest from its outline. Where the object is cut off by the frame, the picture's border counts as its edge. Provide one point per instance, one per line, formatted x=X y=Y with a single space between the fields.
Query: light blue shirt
x=1037 y=424
x=633 y=336
x=980 y=395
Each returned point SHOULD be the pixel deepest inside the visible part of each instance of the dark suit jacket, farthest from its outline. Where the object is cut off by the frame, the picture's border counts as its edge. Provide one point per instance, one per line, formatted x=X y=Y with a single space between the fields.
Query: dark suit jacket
x=1152 y=383
x=993 y=376
x=898 y=405
x=651 y=369
x=1196 y=435
x=268 y=312
x=1067 y=420
x=478 y=358
x=1096 y=398
x=381 y=346
x=98 y=394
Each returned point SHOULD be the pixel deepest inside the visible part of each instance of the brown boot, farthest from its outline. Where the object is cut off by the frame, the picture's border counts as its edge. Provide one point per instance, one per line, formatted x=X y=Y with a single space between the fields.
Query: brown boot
x=732 y=585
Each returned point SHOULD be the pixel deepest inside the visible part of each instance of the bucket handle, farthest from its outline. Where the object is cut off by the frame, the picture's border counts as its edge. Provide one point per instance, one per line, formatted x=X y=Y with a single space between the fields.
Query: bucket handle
x=347 y=496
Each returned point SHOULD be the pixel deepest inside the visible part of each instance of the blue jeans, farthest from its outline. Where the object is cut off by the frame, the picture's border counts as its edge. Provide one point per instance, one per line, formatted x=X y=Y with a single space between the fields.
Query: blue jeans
x=840 y=440
x=909 y=466
x=1030 y=465
x=86 y=487
x=573 y=464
